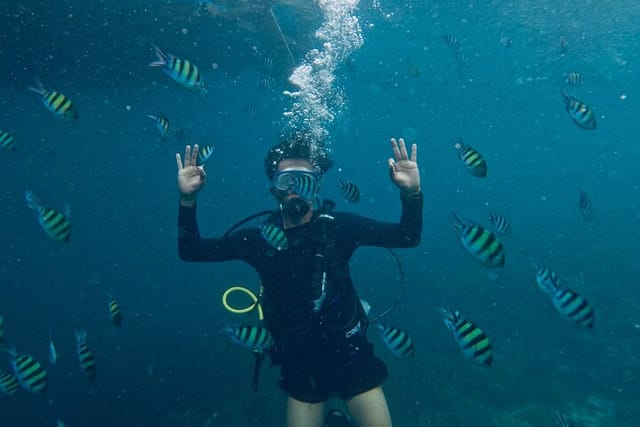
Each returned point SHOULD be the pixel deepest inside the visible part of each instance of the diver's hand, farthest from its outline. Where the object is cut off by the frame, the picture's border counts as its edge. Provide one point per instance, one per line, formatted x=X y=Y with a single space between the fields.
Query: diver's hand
x=404 y=170
x=191 y=178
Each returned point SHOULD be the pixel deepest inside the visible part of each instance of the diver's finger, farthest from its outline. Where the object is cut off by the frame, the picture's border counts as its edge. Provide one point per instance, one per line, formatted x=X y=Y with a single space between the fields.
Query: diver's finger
x=396 y=151
x=414 y=153
x=194 y=155
x=187 y=155
x=179 y=162
x=403 y=149
x=392 y=167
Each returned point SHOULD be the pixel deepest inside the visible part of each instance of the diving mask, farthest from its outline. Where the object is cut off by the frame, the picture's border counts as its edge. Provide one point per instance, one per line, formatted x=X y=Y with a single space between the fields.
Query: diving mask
x=289 y=179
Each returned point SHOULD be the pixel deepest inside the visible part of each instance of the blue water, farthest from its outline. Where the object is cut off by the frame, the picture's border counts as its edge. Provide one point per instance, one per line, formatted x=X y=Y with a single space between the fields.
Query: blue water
x=167 y=365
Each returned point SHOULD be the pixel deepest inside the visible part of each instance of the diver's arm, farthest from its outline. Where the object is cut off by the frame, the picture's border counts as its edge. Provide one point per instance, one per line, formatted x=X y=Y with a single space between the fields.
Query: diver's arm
x=404 y=234
x=193 y=248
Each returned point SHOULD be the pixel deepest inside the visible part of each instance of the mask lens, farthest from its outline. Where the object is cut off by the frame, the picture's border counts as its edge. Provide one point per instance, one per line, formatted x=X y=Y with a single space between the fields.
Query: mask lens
x=286 y=180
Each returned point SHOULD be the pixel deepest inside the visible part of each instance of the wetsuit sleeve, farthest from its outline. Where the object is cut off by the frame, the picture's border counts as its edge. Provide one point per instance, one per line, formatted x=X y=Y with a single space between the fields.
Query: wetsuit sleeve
x=405 y=234
x=193 y=248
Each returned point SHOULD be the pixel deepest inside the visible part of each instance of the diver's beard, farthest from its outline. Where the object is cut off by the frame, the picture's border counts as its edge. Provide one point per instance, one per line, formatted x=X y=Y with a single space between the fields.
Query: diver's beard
x=295 y=208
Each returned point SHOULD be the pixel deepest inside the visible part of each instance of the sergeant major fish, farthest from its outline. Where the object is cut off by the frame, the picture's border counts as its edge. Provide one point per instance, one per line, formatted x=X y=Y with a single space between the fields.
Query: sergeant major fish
x=56 y=103
x=396 y=340
x=482 y=244
x=473 y=342
x=8 y=383
x=584 y=203
x=274 y=236
x=500 y=223
x=568 y=302
x=29 y=372
x=85 y=355
x=350 y=192
x=182 y=71
x=580 y=113
x=205 y=153
x=114 y=311
x=162 y=124
x=256 y=338
x=54 y=224
x=6 y=141
x=472 y=160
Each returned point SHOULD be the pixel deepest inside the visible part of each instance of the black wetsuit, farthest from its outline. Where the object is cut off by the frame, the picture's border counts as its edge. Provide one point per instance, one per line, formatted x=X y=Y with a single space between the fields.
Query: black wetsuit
x=322 y=347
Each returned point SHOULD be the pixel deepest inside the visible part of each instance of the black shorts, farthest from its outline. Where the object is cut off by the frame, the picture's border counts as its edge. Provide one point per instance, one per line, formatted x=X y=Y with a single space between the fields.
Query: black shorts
x=315 y=372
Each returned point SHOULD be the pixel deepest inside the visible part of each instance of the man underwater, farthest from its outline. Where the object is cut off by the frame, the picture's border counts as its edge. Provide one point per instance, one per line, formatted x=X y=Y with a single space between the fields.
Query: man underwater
x=310 y=304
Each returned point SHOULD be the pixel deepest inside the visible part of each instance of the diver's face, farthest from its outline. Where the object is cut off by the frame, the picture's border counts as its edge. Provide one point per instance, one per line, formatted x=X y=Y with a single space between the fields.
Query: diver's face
x=291 y=164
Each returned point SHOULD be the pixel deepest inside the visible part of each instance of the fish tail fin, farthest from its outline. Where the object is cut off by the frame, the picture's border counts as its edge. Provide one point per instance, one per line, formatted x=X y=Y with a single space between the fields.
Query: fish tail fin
x=39 y=88
x=33 y=201
x=162 y=58
x=458 y=223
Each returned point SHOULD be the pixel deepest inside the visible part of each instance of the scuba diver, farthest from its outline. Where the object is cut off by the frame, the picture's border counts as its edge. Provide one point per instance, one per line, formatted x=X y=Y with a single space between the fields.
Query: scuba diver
x=301 y=253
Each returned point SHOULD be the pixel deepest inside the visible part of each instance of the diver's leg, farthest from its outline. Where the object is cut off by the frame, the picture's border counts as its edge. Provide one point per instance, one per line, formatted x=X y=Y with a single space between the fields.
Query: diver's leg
x=303 y=414
x=369 y=409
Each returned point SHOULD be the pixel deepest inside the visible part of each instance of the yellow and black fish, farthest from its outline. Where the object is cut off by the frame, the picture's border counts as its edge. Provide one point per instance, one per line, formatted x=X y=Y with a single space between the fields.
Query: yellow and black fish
x=57 y=103
x=29 y=372
x=274 y=236
x=85 y=355
x=6 y=141
x=205 y=153
x=114 y=311
x=472 y=160
x=54 y=224
x=584 y=203
x=350 y=192
x=452 y=42
x=254 y=337
x=473 y=343
x=574 y=78
x=568 y=302
x=482 y=244
x=8 y=383
x=581 y=114
x=500 y=223
x=396 y=340
x=182 y=71
x=162 y=124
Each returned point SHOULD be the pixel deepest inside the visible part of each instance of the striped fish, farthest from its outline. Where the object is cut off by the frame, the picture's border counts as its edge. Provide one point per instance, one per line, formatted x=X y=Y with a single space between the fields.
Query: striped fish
x=162 y=124
x=461 y=59
x=1 y=328
x=275 y=236
x=500 y=224
x=579 y=112
x=473 y=343
x=54 y=224
x=473 y=161
x=305 y=186
x=182 y=71
x=562 y=420
x=57 y=103
x=114 y=311
x=568 y=302
x=584 y=203
x=205 y=153
x=29 y=372
x=451 y=41
x=6 y=141
x=396 y=340
x=8 y=383
x=573 y=78
x=256 y=338
x=85 y=355
x=482 y=244
x=350 y=192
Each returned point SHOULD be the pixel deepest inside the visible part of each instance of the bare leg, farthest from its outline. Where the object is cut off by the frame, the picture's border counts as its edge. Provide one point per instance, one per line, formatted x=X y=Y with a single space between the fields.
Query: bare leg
x=369 y=409
x=303 y=414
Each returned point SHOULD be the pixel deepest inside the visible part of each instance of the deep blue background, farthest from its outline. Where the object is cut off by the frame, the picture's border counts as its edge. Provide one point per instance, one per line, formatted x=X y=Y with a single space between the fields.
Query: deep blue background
x=119 y=181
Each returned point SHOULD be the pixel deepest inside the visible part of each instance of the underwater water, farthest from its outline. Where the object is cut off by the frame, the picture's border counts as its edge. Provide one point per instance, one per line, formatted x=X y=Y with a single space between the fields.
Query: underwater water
x=489 y=73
